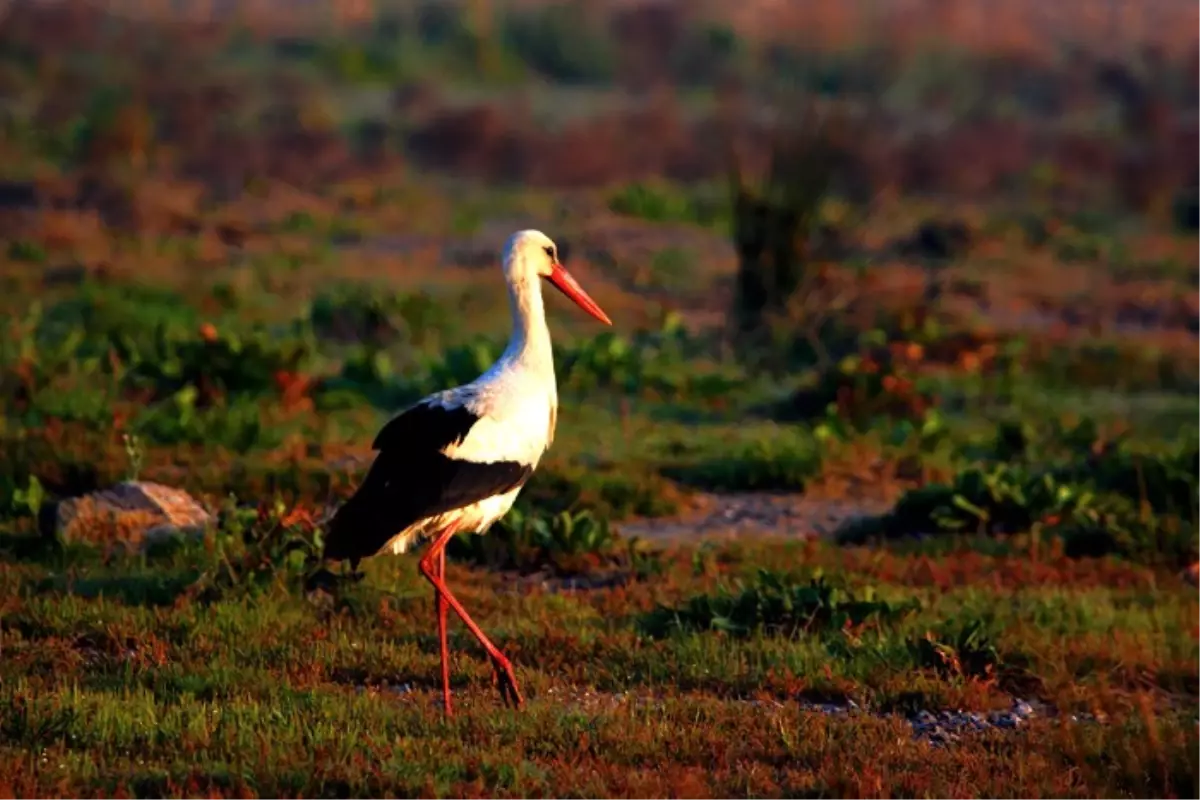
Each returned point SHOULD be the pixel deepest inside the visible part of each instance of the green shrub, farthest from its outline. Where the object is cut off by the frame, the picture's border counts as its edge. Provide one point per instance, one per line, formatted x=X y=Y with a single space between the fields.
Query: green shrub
x=958 y=648
x=362 y=62
x=259 y=546
x=1076 y=246
x=707 y=53
x=565 y=544
x=610 y=492
x=24 y=250
x=862 y=389
x=130 y=314
x=558 y=42
x=659 y=202
x=776 y=604
x=360 y=312
x=215 y=365
x=652 y=363
x=778 y=464
x=179 y=419
x=1099 y=497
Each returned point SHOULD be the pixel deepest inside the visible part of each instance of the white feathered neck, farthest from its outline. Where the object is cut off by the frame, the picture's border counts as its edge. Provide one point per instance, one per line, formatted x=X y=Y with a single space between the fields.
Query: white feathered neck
x=529 y=343
x=517 y=397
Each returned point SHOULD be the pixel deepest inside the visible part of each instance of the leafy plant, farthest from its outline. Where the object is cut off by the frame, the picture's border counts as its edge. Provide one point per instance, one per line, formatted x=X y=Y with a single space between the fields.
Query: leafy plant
x=135 y=451
x=558 y=42
x=646 y=365
x=612 y=492
x=960 y=649
x=29 y=500
x=364 y=313
x=179 y=418
x=784 y=463
x=660 y=202
x=212 y=364
x=260 y=545
x=1098 y=497
x=566 y=544
x=775 y=604
x=860 y=389
x=23 y=250
x=131 y=314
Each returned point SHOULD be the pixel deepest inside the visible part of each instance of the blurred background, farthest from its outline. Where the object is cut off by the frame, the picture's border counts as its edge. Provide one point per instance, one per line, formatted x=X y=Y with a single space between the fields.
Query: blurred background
x=870 y=229
x=883 y=483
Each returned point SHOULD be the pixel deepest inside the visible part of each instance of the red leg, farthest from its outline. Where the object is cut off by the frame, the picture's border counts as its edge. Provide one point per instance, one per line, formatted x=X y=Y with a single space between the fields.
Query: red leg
x=442 y=607
x=505 y=676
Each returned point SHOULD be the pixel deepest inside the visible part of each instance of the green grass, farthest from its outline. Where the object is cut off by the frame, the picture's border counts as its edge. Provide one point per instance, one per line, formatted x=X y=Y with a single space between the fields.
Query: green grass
x=1040 y=484
x=114 y=680
x=207 y=667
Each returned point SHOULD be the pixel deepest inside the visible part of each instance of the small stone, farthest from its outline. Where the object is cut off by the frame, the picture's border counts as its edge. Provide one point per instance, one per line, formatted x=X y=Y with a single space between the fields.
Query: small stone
x=1022 y=709
x=926 y=718
x=133 y=513
x=1006 y=720
x=941 y=738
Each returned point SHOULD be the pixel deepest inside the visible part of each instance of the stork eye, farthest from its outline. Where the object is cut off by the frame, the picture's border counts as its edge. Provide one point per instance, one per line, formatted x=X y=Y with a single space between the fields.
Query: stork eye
x=549 y=251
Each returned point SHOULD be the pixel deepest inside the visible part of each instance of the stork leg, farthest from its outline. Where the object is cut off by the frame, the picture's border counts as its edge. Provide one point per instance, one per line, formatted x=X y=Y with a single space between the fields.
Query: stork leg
x=442 y=607
x=505 y=678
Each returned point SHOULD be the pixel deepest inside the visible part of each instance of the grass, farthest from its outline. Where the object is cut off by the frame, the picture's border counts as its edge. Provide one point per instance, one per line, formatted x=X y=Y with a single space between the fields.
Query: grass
x=121 y=680
x=234 y=309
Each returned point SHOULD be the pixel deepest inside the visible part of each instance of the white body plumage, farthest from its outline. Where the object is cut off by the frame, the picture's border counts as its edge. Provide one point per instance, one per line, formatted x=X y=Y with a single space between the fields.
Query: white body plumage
x=516 y=407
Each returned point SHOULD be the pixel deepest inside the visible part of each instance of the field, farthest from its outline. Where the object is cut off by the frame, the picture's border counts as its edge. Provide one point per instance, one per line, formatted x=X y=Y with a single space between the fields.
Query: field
x=883 y=482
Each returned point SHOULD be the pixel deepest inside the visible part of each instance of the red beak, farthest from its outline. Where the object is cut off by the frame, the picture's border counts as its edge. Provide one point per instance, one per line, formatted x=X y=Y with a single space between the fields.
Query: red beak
x=568 y=286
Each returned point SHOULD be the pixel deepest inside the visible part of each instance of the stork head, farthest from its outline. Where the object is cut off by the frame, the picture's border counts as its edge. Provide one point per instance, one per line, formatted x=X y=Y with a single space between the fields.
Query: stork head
x=530 y=254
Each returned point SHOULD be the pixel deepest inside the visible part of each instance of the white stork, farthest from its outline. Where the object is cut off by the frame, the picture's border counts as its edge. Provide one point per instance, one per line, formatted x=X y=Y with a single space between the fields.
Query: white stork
x=455 y=461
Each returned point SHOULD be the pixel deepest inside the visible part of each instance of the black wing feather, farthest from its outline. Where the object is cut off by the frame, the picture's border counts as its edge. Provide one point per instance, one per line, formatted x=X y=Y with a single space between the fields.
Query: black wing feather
x=426 y=427
x=412 y=479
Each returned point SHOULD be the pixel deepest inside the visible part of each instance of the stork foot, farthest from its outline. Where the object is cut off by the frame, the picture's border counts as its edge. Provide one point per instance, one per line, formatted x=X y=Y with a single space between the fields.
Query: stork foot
x=505 y=680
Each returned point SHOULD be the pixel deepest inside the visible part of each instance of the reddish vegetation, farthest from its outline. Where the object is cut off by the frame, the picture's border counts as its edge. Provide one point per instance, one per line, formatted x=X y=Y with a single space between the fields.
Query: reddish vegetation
x=173 y=114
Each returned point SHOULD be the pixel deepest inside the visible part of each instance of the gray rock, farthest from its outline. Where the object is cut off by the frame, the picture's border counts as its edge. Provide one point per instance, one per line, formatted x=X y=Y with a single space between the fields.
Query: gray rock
x=134 y=513
x=1023 y=709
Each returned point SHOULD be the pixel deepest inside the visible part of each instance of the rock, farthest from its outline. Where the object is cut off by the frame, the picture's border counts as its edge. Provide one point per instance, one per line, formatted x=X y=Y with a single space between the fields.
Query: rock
x=1006 y=719
x=133 y=513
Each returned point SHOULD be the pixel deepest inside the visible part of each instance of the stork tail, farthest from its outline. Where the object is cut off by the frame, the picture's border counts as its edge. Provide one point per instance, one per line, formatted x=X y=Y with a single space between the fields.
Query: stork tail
x=363 y=524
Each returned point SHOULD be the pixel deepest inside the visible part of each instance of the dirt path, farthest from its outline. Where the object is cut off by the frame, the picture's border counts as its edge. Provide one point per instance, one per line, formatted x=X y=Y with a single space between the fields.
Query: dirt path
x=726 y=516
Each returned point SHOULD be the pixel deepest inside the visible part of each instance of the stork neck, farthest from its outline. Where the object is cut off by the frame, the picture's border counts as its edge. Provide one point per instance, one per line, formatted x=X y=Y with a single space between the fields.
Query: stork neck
x=530 y=340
